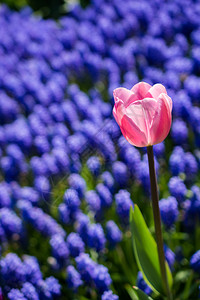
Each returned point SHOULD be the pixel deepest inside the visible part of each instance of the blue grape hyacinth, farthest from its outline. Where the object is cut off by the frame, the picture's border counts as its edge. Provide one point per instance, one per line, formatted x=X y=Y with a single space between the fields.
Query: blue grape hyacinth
x=169 y=211
x=195 y=261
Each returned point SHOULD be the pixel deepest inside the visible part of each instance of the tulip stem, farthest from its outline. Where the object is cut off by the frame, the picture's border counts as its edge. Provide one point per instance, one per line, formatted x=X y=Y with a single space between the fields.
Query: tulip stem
x=157 y=221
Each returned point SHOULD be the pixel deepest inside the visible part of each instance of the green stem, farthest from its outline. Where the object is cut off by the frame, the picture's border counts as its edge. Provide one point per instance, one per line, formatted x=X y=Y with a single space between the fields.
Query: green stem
x=157 y=221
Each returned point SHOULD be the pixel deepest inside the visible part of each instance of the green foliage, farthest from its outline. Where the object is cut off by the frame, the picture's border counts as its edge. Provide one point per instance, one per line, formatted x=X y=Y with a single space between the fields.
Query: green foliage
x=46 y=8
x=15 y=4
x=136 y=294
x=146 y=252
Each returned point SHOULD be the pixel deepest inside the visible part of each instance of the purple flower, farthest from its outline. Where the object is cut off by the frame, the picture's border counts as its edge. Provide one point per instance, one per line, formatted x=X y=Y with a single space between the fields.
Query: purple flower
x=75 y=244
x=82 y=226
x=102 y=278
x=41 y=221
x=113 y=233
x=120 y=173
x=80 y=100
x=131 y=157
x=143 y=175
x=10 y=222
x=64 y=214
x=70 y=114
x=179 y=132
x=170 y=256
x=142 y=284
x=77 y=183
x=18 y=132
x=169 y=211
x=42 y=145
x=191 y=166
x=155 y=75
x=108 y=295
x=195 y=200
x=181 y=65
x=93 y=201
x=86 y=267
x=56 y=112
x=29 y=194
x=104 y=194
x=177 y=188
x=50 y=161
x=73 y=278
x=62 y=159
x=38 y=166
x=108 y=180
x=32 y=269
x=123 y=204
x=76 y=143
x=15 y=152
x=182 y=106
x=172 y=80
x=72 y=200
x=94 y=165
x=176 y=161
x=12 y=271
x=153 y=51
x=195 y=261
x=5 y=198
x=29 y=291
x=53 y=286
x=194 y=118
x=42 y=186
x=15 y=294
x=43 y=290
x=96 y=237
x=191 y=85
x=159 y=150
x=59 y=248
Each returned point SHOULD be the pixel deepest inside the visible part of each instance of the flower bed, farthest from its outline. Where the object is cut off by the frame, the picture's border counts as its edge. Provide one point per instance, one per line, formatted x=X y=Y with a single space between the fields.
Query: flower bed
x=68 y=176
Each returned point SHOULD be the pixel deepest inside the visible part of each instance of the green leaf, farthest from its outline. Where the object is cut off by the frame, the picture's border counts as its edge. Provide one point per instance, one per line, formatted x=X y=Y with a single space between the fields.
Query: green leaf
x=182 y=276
x=131 y=293
x=136 y=294
x=140 y=294
x=145 y=249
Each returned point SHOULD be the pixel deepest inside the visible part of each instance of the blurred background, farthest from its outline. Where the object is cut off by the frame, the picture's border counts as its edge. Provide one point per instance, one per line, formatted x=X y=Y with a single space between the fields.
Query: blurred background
x=46 y=8
x=67 y=176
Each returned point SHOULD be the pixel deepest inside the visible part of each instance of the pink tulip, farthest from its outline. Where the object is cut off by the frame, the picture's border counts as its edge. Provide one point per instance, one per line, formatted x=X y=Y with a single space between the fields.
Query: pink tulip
x=143 y=113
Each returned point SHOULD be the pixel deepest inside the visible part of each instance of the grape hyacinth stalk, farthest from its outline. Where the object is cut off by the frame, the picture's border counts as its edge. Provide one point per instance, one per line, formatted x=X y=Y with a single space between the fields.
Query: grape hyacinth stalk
x=144 y=116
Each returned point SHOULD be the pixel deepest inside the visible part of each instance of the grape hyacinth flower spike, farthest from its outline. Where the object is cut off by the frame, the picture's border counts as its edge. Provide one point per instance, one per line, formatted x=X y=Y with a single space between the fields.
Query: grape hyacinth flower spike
x=144 y=115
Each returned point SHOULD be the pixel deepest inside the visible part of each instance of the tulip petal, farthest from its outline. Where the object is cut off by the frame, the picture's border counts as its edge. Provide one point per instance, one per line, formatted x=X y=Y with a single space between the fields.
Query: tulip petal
x=141 y=89
x=168 y=101
x=132 y=132
x=142 y=113
x=155 y=91
x=149 y=106
x=162 y=120
x=125 y=95
x=118 y=111
x=115 y=114
x=136 y=113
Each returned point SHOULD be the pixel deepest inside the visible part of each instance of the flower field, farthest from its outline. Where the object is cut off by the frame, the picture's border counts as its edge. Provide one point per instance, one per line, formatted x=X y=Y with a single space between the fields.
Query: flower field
x=68 y=176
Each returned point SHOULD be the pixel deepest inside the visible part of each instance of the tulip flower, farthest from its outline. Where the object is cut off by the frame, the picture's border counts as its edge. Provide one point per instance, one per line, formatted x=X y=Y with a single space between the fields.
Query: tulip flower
x=144 y=116
x=143 y=113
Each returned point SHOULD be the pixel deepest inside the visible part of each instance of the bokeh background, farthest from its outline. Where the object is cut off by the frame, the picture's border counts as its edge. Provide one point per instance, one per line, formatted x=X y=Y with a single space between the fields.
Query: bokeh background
x=68 y=176
x=48 y=9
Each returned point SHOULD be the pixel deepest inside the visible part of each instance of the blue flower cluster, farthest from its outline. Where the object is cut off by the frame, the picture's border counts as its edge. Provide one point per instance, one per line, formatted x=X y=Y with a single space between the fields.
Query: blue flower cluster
x=68 y=176
x=24 y=280
x=92 y=273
